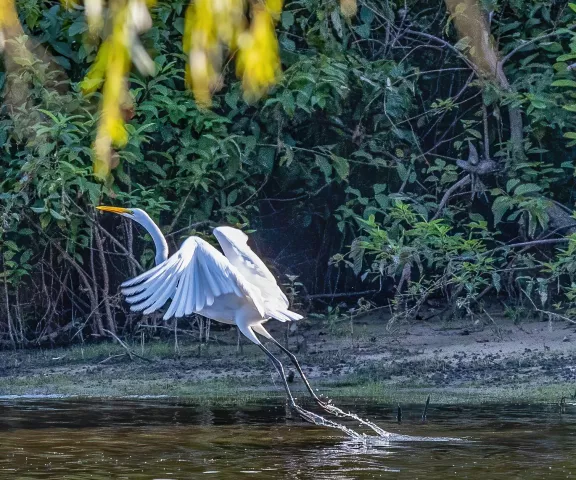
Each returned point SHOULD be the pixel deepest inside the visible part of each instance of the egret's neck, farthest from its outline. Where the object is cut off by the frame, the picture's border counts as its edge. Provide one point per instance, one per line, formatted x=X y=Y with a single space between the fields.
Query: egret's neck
x=157 y=237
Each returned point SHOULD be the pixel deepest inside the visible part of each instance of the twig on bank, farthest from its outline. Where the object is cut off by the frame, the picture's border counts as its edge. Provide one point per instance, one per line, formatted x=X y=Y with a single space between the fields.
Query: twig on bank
x=498 y=331
x=129 y=352
x=111 y=357
x=547 y=312
x=425 y=409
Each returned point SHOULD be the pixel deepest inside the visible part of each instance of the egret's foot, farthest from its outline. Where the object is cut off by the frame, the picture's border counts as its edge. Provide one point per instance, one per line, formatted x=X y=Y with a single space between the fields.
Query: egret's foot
x=334 y=410
x=316 y=419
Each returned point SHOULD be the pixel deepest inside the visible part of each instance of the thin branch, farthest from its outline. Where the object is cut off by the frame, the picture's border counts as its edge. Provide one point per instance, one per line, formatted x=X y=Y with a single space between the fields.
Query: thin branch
x=119 y=245
x=179 y=211
x=340 y=295
x=459 y=184
x=300 y=197
x=531 y=42
x=530 y=244
x=260 y=188
x=445 y=44
x=192 y=226
x=130 y=353
x=105 y=280
x=486 y=132
x=547 y=312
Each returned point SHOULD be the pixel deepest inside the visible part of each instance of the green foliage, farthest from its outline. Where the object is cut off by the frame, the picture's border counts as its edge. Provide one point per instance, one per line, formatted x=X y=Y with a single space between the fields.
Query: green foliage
x=349 y=158
x=439 y=258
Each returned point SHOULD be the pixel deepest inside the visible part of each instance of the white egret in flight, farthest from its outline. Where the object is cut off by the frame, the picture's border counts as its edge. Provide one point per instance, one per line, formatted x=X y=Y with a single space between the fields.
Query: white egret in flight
x=236 y=289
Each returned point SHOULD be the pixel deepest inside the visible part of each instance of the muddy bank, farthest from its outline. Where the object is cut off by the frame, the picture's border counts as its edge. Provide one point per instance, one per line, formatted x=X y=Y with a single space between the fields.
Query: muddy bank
x=457 y=363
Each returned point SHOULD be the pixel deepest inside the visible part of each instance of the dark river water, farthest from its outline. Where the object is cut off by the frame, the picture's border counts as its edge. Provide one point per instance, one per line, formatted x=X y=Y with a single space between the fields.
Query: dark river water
x=171 y=439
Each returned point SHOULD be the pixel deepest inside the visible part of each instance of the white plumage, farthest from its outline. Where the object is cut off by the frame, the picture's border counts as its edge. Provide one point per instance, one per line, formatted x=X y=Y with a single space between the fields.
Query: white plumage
x=237 y=288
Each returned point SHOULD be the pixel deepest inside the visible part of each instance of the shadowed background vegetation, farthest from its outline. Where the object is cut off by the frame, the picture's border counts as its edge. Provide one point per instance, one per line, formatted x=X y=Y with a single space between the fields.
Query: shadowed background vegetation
x=416 y=152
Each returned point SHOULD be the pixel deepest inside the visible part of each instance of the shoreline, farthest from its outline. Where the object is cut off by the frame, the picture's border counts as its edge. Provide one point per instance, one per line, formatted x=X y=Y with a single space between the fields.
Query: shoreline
x=457 y=363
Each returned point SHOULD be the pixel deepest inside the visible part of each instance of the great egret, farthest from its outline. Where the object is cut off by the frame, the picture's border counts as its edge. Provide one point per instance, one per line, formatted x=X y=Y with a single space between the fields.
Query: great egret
x=236 y=289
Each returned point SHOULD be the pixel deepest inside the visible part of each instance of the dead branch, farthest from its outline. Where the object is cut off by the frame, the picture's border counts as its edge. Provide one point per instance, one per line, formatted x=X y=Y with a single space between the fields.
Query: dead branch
x=106 y=279
x=111 y=357
x=52 y=336
x=340 y=295
x=459 y=184
x=129 y=352
x=546 y=312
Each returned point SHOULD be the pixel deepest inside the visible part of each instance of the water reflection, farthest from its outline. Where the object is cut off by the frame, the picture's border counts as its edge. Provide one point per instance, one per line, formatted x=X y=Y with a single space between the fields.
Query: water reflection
x=163 y=438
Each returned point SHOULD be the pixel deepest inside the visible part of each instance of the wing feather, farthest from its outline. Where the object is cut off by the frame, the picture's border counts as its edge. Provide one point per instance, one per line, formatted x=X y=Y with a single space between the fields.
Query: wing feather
x=184 y=288
x=161 y=289
x=189 y=300
x=137 y=295
x=135 y=288
x=152 y=273
x=159 y=299
x=194 y=277
x=179 y=301
x=235 y=247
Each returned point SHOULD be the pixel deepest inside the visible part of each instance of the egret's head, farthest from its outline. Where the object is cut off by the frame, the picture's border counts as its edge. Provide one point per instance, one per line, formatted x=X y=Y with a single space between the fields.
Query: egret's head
x=136 y=214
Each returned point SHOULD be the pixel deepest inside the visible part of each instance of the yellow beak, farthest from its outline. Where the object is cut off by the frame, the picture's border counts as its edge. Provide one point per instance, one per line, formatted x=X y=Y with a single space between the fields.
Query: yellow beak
x=114 y=209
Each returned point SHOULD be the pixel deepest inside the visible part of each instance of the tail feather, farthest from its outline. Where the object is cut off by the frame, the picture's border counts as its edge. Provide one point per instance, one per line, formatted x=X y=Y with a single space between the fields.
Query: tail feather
x=283 y=315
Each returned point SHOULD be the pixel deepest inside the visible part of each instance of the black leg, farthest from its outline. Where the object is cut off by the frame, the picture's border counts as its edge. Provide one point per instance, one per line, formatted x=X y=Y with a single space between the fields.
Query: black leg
x=294 y=360
x=278 y=366
x=305 y=414
x=327 y=407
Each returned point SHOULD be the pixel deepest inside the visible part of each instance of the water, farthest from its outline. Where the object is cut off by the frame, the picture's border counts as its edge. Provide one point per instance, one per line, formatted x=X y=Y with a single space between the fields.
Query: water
x=154 y=438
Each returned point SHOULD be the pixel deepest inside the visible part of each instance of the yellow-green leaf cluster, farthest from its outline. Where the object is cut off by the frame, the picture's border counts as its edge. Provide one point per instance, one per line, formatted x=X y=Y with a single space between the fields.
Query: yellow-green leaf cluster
x=212 y=28
x=213 y=25
x=258 y=62
x=8 y=15
x=109 y=71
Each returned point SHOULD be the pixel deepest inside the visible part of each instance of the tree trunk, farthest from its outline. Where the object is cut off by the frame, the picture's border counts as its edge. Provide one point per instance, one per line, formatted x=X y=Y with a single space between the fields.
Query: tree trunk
x=471 y=22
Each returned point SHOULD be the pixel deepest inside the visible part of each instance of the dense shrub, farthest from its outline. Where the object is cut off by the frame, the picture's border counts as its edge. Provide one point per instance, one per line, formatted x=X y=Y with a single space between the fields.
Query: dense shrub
x=357 y=172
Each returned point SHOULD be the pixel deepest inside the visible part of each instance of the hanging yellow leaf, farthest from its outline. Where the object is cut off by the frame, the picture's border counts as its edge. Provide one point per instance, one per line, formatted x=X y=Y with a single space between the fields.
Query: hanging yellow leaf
x=348 y=8
x=95 y=76
x=274 y=8
x=211 y=25
x=8 y=15
x=110 y=71
x=102 y=155
x=258 y=62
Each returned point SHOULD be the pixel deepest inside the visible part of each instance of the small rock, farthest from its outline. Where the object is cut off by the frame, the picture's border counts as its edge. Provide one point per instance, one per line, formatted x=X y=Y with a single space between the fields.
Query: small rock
x=565 y=339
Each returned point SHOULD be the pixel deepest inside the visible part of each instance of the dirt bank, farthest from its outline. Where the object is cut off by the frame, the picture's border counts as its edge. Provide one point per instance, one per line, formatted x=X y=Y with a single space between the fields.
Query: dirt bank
x=458 y=363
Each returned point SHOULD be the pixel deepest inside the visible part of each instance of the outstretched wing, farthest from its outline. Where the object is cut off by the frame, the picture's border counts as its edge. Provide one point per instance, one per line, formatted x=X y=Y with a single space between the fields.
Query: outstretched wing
x=234 y=243
x=194 y=277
